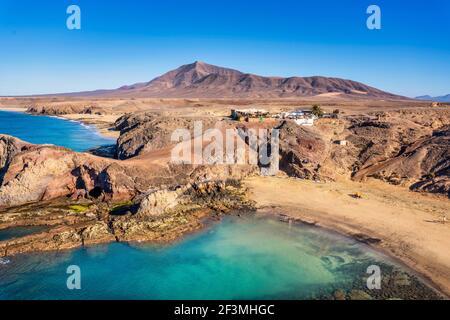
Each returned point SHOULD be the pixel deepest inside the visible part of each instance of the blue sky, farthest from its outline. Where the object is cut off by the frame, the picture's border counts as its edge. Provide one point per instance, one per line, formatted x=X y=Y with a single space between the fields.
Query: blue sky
x=123 y=42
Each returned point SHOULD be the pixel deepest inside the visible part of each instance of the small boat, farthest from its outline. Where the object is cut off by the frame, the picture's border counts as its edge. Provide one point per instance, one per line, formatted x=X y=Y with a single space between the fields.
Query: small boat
x=4 y=261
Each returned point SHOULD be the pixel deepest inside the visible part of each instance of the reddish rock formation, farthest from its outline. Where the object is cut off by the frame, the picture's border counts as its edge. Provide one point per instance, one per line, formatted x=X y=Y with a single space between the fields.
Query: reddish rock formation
x=38 y=172
x=302 y=151
x=404 y=148
x=147 y=131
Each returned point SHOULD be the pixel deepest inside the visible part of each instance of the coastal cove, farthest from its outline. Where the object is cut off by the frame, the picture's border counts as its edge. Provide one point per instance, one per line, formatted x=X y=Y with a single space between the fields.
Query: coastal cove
x=40 y=129
x=243 y=257
x=208 y=159
x=238 y=258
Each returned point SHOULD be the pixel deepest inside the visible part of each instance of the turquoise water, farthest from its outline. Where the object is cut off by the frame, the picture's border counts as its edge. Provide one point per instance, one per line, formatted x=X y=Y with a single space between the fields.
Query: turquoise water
x=239 y=258
x=51 y=130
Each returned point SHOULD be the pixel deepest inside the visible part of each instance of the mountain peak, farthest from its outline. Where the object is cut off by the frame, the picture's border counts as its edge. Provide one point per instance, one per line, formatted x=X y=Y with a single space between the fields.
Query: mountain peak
x=203 y=80
x=204 y=67
x=199 y=63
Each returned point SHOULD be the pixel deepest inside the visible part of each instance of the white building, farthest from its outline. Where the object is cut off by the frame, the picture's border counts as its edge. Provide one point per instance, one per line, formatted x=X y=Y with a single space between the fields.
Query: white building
x=304 y=121
x=300 y=117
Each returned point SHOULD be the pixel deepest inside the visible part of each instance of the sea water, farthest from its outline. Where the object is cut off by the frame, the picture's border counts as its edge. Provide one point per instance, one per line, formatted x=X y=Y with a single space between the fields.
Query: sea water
x=238 y=258
x=51 y=130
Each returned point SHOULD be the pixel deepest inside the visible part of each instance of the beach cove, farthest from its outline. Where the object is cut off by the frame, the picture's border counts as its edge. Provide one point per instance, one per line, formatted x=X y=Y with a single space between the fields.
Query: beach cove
x=272 y=260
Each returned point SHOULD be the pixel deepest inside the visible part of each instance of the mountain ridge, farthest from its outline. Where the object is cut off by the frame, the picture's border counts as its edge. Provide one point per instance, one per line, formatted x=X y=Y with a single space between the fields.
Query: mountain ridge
x=202 y=80
x=444 y=98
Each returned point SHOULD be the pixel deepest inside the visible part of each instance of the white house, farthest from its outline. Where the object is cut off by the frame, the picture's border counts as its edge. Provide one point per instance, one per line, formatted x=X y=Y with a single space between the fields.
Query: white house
x=304 y=121
x=300 y=117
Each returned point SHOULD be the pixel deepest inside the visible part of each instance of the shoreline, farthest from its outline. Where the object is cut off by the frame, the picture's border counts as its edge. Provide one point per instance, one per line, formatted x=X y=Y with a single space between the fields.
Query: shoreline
x=268 y=212
x=209 y=221
x=91 y=121
x=97 y=122
x=199 y=221
x=13 y=109
x=427 y=258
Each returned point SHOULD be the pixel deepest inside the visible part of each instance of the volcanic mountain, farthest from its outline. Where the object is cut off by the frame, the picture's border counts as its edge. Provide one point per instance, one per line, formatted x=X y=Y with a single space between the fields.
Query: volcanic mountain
x=202 y=80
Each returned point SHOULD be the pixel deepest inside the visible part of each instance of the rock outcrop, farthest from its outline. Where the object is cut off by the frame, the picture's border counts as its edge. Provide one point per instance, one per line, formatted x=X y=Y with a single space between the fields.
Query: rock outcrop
x=219 y=195
x=31 y=173
x=85 y=199
x=302 y=151
x=162 y=215
x=148 y=131
x=39 y=173
x=9 y=147
x=403 y=148
x=408 y=147
x=423 y=165
x=57 y=109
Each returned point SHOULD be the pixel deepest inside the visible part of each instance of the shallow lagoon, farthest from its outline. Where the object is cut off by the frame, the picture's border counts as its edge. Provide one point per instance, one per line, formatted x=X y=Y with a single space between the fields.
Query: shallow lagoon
x=238 y=258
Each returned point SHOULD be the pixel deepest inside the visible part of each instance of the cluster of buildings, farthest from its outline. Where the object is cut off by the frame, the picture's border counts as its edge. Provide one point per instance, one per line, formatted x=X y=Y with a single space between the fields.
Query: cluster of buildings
x=249 y=114
x=300 y=117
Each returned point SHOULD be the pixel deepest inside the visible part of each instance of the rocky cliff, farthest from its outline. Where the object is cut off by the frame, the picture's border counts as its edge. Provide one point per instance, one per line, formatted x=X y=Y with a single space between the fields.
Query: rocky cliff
x=148 y=131
x=32 y=173
x=403 y=148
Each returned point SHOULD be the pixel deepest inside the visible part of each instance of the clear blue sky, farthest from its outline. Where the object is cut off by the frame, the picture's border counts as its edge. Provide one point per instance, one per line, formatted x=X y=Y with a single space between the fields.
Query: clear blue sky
x=128 y=41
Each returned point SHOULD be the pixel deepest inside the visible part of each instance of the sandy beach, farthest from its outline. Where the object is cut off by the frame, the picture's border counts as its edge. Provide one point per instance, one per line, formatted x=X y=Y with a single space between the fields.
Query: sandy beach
x=408 y=225
x=103 y=123
x=16 y=109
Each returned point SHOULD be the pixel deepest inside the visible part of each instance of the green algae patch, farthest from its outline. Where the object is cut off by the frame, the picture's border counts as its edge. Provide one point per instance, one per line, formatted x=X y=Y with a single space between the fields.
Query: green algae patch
x=79 y=208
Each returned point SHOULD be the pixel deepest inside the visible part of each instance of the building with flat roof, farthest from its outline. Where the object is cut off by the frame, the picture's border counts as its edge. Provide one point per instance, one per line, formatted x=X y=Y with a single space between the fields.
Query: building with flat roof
x=246 y=114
